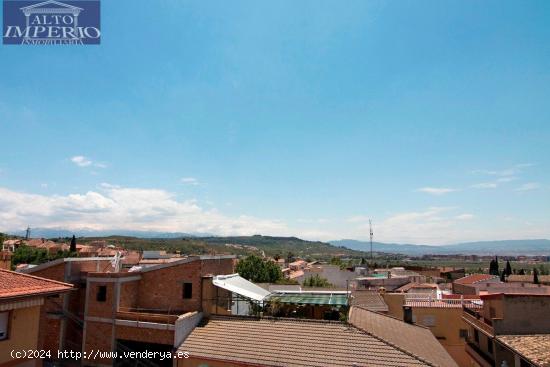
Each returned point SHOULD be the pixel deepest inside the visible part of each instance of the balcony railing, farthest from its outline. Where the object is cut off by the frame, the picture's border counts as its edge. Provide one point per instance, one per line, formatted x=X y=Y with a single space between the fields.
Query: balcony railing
x=477 y=321
x=158 y=316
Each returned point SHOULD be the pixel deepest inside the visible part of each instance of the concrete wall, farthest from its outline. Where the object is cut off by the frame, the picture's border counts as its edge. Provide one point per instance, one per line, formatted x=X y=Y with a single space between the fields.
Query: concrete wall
x=524 y=315
x=445 y=324
x=23 y=332
x=395 y=303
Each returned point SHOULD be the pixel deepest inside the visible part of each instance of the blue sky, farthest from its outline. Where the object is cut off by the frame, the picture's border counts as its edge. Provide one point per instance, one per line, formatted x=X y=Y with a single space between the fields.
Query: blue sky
x=286 y=118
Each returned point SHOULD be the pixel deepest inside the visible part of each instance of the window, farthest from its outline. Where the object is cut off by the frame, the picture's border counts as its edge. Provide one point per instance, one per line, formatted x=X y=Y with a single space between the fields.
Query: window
x=429 y=320
x=476 y=336
x=101 y=293
x=187 y=290
x=4 y=321
x=463 y=333
x=490 y=346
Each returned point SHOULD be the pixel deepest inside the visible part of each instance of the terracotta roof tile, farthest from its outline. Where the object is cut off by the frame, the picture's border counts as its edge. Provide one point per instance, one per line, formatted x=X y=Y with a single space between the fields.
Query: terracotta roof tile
x=370 y=300
x=292 y=343
x=474 y=278
x=14 y=284
x=536 y=347
x=416 y=340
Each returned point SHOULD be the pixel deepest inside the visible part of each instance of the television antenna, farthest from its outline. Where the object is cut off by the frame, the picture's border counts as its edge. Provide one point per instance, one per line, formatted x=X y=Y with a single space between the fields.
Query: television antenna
x=371 y=234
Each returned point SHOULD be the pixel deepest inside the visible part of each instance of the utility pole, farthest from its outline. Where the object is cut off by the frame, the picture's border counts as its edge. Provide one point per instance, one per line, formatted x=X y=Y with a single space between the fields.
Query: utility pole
x=371 y=234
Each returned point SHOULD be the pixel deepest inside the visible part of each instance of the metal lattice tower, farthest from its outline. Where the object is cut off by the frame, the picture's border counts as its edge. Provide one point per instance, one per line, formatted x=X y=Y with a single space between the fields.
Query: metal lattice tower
x=371 y=234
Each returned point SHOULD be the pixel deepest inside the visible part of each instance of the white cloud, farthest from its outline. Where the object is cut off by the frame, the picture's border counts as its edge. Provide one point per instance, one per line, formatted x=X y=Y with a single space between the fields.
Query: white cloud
x=465 y=216
x=436 y=190
x=485 y=185
x=82 y=161
x=507 y=179
x=425 y=226
x=528 y=186
x=358 y=219
x=189 y=181
x=506 y=172
x=114 y=207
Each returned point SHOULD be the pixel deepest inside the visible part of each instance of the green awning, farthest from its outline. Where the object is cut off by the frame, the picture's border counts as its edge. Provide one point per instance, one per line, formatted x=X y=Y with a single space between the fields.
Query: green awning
x=310 y=298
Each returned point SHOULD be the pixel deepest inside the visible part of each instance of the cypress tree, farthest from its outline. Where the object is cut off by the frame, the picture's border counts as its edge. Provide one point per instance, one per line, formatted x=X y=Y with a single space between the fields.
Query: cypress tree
x=508 y=268
x=73 y=244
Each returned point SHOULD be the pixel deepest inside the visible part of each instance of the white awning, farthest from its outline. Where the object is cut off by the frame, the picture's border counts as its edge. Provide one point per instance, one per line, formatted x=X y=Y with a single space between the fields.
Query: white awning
x=237 y=284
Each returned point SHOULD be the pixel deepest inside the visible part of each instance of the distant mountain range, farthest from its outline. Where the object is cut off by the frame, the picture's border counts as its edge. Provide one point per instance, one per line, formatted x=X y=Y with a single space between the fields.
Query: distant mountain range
x=61 y=233
x=504 y=247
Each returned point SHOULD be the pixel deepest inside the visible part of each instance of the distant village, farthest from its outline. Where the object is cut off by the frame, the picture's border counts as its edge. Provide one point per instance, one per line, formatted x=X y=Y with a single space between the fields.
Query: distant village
x=92 y=303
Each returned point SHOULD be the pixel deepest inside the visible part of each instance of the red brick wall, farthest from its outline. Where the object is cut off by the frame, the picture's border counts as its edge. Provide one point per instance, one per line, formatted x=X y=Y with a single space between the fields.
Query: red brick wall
x=145 y=335
x=129 y=292
x=162 y=288
x=218 y=267
x=98 y=338
x=56 y=272
x=100 y=309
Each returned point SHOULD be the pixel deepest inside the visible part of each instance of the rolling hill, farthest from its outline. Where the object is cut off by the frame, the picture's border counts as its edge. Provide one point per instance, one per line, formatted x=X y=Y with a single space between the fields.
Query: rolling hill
x=503 y=247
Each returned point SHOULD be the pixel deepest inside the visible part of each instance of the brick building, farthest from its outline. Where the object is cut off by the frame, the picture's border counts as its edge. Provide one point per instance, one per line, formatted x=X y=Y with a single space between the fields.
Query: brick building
x=22 y=311
x=153 y=307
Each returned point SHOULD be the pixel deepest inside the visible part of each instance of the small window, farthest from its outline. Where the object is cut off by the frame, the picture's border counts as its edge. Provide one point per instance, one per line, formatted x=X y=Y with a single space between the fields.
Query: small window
x=429 y=320
x=4 y=321
x=101 y=293
x=463 y=333
x=187 y=290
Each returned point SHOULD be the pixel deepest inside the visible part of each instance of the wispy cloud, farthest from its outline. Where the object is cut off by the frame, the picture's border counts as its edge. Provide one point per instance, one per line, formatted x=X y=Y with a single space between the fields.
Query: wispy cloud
x=358 y=219
x=189 y=181
x=82 y=161
x=436 y=190
x=506 y=172
x=528 y=187
x=507 y=179
x=465 y=216
x=485 y=185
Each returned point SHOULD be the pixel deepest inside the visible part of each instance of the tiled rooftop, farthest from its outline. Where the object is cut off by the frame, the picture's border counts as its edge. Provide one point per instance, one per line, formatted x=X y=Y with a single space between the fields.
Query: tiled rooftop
x=417 y=340
x=534 y=347
x=14 y=284
x=528 y=278
x=474 y=278
x=292 y=343
x=369 y=300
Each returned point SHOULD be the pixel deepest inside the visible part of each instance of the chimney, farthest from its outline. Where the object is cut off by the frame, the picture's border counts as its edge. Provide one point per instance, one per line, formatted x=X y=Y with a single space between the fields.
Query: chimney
x=407 y=314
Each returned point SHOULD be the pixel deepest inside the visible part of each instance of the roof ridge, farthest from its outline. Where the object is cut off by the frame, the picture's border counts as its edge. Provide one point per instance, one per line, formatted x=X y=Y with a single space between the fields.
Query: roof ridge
x=391 y=317
x=393 y=345
x=272 y=318
x=37 y=278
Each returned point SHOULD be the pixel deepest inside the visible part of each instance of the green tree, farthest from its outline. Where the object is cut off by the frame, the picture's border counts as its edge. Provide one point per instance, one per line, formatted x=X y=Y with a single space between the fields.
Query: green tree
x=508 y=270
x=73 y=244
x=316 y=281
x=535 y=276
x=493 y=267
x=258 y=270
